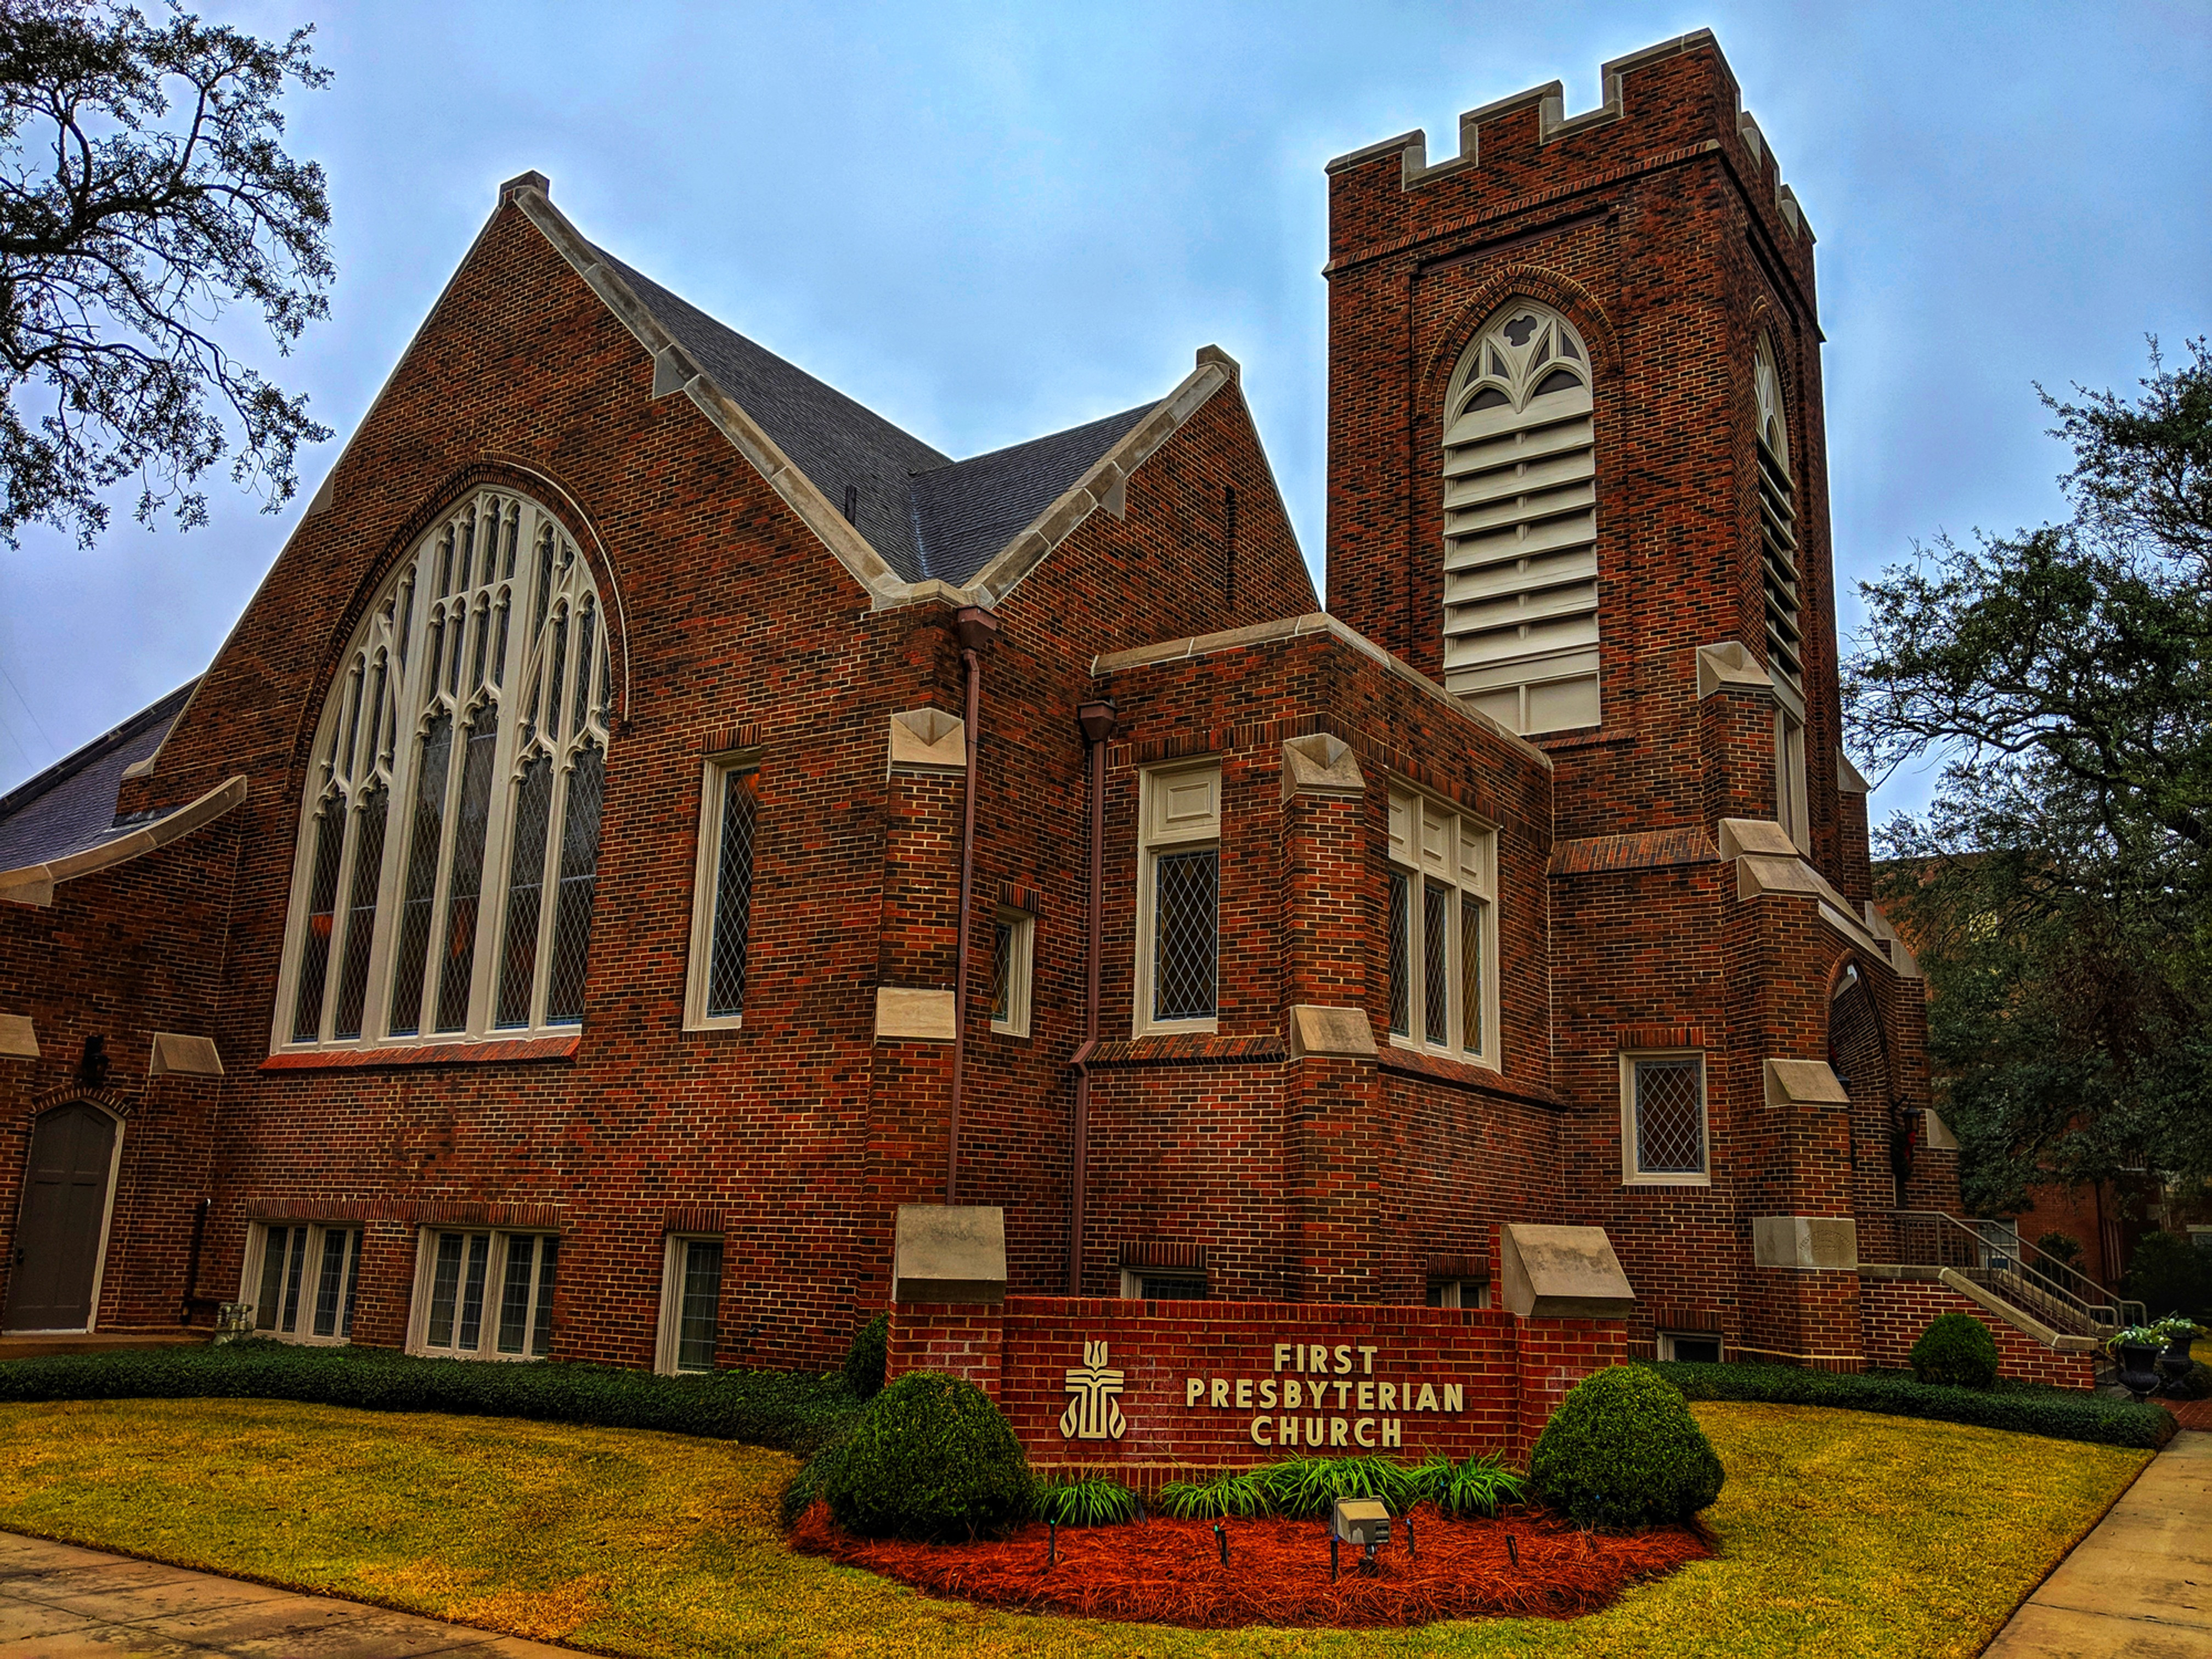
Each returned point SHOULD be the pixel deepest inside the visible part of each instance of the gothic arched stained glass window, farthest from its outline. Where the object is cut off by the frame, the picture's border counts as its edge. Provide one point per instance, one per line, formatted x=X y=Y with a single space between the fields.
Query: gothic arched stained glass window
x=449 y=849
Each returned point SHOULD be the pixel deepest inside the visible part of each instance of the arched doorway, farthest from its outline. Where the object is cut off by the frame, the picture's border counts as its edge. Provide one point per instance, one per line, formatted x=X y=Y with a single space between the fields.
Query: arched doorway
x=63 y=1222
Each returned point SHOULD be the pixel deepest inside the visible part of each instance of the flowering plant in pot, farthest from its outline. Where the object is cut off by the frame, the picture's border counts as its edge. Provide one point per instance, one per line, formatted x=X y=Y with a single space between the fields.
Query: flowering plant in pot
x=2176 y=1332
x=2136 y=1347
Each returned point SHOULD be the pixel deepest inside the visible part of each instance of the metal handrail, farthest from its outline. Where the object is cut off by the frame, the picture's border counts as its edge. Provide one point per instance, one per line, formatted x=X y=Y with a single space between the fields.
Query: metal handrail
x=1995 y=1247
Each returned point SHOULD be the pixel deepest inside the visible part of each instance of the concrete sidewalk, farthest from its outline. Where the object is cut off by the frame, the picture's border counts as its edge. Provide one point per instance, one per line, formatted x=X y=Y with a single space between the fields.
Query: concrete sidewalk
x=2141 y=1584
x=57 y=1602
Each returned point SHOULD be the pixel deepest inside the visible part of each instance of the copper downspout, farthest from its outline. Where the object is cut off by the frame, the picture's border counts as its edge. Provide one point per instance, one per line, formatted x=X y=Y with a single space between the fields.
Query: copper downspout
x=977 y=629
x=1098 y=721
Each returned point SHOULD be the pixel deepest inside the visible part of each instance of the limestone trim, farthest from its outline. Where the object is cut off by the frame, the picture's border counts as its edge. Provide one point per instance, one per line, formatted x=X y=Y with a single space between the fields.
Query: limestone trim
x=177 y=1055
x=928 y=738
x=1292 y=628
x=1804 y=1083
x=2056 y=1341
x=1893 y=947
x=1806 y=1244
x=34 y=884
x=1316 y=1029
x=943 y=1253
x=1562 y=1272
x=18 y=1039
x=1320 y=764
x=1727 y=666
x=1767 y=861
x=1849 y=779
x=905 y=1012
x=1940 y=1137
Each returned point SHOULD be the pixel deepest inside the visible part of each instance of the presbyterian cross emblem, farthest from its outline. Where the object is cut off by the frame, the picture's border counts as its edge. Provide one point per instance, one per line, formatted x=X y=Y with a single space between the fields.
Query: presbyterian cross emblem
x=1093 y=1413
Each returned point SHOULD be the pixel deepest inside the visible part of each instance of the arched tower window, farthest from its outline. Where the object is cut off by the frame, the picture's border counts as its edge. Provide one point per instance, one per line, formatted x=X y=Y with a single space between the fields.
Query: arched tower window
x=449 y=848
x=1777 y=518
x=1520 y=597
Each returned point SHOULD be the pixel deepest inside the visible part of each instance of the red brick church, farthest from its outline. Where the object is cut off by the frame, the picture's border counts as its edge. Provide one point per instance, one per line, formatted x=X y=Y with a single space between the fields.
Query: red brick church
x=657 y=818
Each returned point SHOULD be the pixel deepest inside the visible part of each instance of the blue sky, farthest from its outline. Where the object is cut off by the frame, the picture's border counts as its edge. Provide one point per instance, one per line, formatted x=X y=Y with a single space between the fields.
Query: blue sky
x=989 y=221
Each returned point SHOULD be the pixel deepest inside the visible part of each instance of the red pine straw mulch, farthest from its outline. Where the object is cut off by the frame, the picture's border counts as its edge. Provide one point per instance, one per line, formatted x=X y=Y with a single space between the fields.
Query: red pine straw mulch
x=1169 y=1572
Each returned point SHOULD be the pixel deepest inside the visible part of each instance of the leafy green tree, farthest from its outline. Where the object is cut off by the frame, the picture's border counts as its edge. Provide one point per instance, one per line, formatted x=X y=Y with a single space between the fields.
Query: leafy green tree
x=2059 y=888
x=142 y=192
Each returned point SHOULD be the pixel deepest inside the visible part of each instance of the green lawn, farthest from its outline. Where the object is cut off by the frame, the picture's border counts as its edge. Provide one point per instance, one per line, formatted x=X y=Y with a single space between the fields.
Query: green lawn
x=1842 y=1532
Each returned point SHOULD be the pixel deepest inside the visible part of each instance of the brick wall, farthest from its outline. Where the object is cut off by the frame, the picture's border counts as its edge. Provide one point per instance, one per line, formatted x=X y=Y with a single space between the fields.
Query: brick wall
x=1895 y=1311
x=1234 y=1384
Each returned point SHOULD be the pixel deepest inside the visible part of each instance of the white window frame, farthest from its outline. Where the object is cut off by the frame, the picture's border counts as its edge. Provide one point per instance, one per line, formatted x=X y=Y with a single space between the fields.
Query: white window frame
x=1792 y=808
x=1021 y=970
x=393 y=651
x=1179 y=810
x=1668 y=1340
x=1631 y=1173
x=705 y=884
x=426 y=1261
x=1133 y=1283
x=308 y=1286
x=1433 y=844
x=1459 y=1293
x=668 y=1343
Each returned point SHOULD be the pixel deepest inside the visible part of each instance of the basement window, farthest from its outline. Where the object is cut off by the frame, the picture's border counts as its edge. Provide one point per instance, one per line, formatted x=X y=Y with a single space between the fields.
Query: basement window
x=1163 y=1284
x=301 y=1277
x=484 y=1295
x=691 y=1304
x=1702 y=1348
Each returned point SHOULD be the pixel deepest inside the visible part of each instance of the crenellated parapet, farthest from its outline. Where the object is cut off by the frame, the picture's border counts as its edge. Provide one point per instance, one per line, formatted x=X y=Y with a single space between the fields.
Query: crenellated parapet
x=1659 y=107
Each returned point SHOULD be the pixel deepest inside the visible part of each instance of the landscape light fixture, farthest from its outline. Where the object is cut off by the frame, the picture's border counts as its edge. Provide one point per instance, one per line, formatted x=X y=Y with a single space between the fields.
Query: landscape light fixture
x=1363 y=1521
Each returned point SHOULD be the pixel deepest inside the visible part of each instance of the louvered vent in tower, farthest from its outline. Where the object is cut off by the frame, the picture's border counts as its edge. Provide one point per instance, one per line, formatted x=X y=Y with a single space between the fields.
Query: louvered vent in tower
x=1778 y=520
x=1520 y=593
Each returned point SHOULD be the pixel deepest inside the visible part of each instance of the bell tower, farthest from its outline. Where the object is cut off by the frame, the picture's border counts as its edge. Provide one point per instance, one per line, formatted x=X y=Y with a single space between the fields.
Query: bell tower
x=1575 y=445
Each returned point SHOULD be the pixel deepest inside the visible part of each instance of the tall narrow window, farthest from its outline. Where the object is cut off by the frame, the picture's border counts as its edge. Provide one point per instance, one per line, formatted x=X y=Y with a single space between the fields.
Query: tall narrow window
x=690 y=1304
x=1179 y=900
x=1520 y=500
x=1013 y=970
x=722 y=895
x=449 y=840
x=1779 y=582
x=1442 y=930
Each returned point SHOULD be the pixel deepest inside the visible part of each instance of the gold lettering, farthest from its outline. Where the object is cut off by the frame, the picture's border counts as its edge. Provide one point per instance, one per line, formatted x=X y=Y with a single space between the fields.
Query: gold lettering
x=1344 y=1359
x=1336 y=1428
x=1318 y=1357
x=1316 y=1431
x=1294 y=1394
x=1366 y=1391
x=1388 y=1391
x=1364 y=1431
x=1268 y=1394
x=1259 y=1432
x=1393 y=1432
x=1221 y=1393
x=1193 y=1390
x=1243 y=1394
x=1282 y=1354
x=1367 y=1362
x=1455 y=1396
x=1428 y=1398
x=1342 y=1389
x=1286 y=1431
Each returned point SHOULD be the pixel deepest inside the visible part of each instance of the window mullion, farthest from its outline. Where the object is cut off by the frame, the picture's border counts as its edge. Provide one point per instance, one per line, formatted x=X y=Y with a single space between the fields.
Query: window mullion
x=491 y=882
x=549 y=905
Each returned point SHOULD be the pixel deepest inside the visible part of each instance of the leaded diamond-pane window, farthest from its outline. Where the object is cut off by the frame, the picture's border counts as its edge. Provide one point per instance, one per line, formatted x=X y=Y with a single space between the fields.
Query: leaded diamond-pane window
x=1401 y=958
x=733 y=893
x=449 y=835
x=1670 y=1116
x=1187 y=918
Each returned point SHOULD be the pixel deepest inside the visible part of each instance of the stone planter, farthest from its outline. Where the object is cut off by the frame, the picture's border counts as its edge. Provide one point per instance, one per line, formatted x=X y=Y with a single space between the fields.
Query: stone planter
x=2138 y=1369
x=2174 y=1365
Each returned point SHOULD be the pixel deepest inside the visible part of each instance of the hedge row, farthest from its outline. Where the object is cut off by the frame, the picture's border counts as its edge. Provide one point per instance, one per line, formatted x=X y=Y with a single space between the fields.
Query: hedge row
x=791 y=1409
x=2022 y=1408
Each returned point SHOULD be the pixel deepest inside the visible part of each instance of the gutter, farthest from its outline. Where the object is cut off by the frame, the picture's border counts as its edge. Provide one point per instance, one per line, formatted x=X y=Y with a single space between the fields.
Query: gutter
x=1098 y=721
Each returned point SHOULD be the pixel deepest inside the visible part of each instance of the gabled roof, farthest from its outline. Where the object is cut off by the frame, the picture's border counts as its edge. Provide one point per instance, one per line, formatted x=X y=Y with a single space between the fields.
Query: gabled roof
x=70 y=806
x=915 y=524
x=932 y=517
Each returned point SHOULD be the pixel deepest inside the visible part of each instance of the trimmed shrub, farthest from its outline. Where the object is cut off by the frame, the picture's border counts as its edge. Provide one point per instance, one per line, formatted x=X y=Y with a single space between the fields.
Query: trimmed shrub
x=864 y=1360
x=931 y=1458
x=2168 y=1274
x=790 y=1410
x=2061 y=1247
x=1956 y=1349
x=2019 y=1407
x=2198 y=1385
x=1623 y=1450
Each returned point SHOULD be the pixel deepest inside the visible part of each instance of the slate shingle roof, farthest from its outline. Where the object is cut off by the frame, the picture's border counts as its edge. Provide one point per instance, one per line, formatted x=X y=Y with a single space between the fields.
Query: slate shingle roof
x=71 y=805
x=928 y=515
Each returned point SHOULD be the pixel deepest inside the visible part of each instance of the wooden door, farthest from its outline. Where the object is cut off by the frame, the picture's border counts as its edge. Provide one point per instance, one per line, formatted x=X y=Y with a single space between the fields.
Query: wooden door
x=64 y=1206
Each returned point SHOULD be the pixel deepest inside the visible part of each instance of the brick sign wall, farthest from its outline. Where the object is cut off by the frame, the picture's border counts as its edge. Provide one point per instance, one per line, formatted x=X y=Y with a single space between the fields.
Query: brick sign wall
x=1145 y=1389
